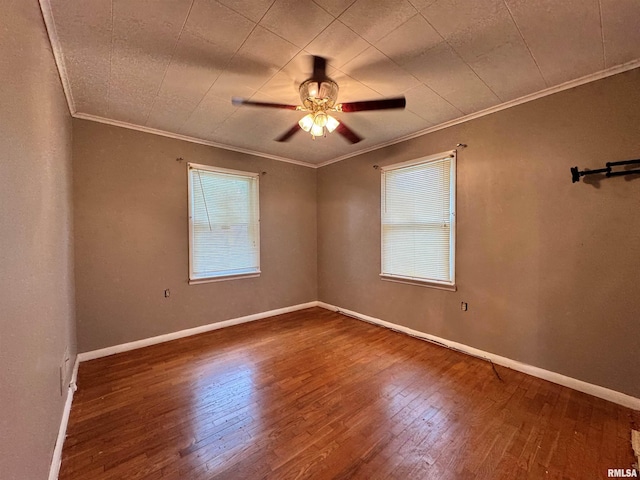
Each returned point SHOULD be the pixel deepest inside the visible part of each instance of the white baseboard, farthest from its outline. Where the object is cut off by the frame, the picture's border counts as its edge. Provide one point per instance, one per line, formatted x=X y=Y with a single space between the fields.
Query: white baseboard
x=595 y=390
x=124 y=347
x=56 y=460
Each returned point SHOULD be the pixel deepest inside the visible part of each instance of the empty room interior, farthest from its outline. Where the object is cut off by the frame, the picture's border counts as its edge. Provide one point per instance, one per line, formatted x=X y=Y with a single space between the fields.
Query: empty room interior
x=319 y=239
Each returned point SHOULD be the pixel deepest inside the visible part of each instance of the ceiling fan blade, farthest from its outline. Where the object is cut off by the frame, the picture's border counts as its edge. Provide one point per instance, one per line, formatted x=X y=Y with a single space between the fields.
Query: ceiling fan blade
x=289 y=133
x=319 y=68
x=398 y=102
x=237 y=101
x=347 y=133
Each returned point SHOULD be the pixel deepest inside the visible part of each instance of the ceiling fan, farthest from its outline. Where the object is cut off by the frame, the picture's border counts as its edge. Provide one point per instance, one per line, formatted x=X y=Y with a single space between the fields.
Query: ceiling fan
x=318 y=95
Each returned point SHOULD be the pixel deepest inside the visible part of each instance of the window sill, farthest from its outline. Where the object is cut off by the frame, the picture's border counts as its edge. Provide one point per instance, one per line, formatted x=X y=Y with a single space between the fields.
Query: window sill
x=198 y=281
x=419 y=283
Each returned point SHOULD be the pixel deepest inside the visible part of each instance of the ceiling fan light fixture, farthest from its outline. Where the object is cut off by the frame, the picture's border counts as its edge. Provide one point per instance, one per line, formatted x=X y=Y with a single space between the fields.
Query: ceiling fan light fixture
x=306 y=122
x=320 y=119
x=332 y=123
x=317 y=130
x=318 y=95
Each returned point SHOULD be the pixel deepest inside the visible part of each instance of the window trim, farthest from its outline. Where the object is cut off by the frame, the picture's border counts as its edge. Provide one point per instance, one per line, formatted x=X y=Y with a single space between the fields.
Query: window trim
x=229 y=276
x=430 y=283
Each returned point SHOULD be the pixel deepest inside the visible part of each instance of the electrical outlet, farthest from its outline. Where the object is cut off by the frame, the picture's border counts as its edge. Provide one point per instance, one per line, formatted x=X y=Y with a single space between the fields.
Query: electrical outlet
x=464 y=306
x=167 y=293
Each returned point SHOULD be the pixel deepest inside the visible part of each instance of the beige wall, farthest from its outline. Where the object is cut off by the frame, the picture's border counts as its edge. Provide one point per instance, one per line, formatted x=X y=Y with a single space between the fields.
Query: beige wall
x=131 y=237
x=549 y=268
x=36 y=259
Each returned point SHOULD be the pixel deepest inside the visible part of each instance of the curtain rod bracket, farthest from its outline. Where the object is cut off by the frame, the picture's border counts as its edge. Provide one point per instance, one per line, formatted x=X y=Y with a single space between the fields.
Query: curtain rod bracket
x=576 y=174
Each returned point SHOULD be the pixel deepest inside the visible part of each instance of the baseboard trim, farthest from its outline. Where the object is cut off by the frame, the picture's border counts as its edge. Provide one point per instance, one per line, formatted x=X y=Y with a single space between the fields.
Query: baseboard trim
x=125 y=347
x=56 y=460
x=579 y=385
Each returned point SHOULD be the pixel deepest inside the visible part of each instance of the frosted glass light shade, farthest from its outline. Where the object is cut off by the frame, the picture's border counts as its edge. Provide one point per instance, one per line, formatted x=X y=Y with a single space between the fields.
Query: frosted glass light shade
x=332 y=123
x=317 y=130
x=306 y=122
x=320 y=119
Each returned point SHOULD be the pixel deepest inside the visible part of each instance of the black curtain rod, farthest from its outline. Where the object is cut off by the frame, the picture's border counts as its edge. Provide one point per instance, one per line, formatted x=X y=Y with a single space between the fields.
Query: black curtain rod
x=576 y=174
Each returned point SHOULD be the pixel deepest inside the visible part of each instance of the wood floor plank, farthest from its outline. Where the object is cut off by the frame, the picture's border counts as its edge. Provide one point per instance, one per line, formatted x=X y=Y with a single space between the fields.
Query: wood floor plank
x=316 y=394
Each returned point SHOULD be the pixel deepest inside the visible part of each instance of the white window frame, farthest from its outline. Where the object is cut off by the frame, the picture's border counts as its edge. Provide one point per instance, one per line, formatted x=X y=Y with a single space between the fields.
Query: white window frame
x=433 y=283
x=194 y=279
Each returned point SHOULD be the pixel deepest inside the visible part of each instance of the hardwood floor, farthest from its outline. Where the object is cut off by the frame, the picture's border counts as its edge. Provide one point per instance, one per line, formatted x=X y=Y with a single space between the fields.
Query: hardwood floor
x=315 y=394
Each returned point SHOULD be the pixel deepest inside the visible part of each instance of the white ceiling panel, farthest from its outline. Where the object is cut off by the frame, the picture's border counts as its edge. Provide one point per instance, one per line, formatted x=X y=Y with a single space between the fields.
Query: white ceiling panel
x=486 y=38
x=256 y=125
x=621 y=30
x=134 y=84
x=442 y=69
x=281 y=88
x=422 y=4
x=252 y=9
x=427 y=104
x=207 y=117
x=169 y=113
x=379 y=73
x=338 y=43
x=405 y=122
x=487 y=21
x=281 y=20
x=409 y=40
x=477 y=28
x=351 y=90
x=175 y=64
x=145 y=34
x=258 y=60
x=373 y=19
x=564 y=37
x=185 y=82
x=199 y=58
x=509 y=71
x=335 y=7
x=226 y=35
x=86 y=33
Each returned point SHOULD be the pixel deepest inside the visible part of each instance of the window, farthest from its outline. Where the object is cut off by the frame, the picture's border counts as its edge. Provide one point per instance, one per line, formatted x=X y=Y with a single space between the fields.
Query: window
x=418 y=221
x=224 y=224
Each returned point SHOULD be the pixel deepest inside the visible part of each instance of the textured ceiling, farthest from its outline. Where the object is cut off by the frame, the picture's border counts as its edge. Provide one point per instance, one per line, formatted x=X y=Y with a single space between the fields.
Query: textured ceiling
x=173 y=65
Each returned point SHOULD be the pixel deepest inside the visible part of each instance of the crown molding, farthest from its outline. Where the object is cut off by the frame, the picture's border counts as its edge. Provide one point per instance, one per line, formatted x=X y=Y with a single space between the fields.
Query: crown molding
x=496 y=108
x=50 y=25
x=186 y=138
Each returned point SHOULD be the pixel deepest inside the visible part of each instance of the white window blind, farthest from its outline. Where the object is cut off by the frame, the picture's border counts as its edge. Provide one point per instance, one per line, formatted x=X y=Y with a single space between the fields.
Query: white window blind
x=224 y=223
x=418 y=220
